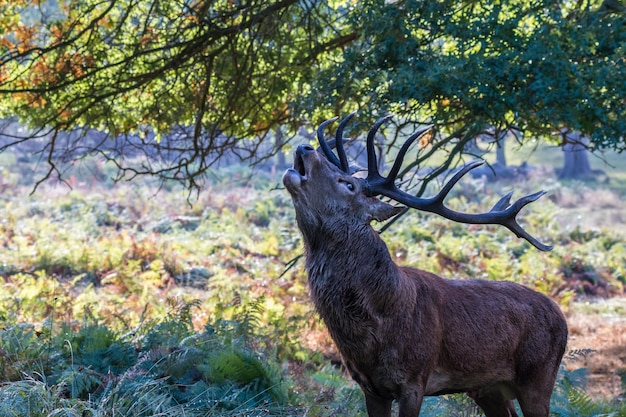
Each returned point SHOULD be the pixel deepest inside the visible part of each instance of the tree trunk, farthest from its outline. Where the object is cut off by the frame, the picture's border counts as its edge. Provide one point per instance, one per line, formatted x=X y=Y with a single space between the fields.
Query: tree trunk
x=576 y=157
x=281 y=161
x=500 y=154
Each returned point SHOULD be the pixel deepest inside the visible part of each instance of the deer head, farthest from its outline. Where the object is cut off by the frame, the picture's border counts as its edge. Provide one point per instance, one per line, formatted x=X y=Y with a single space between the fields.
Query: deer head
x=327 y=192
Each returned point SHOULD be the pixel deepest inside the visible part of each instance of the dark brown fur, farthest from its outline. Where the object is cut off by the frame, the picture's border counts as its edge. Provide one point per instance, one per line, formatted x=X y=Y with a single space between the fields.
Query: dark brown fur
x=404 y=333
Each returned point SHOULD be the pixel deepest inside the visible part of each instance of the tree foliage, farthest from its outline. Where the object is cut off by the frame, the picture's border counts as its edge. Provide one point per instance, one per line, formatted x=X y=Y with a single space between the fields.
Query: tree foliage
x=186 y=81
x=469 y=67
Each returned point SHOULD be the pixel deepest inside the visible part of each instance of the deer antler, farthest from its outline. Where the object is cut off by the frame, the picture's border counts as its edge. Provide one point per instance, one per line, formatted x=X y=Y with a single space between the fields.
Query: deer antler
x=342 y=161
x=324 y=145
x=503 y=212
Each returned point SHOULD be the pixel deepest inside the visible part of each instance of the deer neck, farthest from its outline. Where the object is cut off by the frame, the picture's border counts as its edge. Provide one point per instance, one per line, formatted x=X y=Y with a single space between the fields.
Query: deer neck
x=344 y=261
x=354 y=285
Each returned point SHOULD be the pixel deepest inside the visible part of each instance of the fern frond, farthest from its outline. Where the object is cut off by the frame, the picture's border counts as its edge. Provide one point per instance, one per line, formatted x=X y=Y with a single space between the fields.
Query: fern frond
x=578 y=354
x=32 y=398
x=582 y=403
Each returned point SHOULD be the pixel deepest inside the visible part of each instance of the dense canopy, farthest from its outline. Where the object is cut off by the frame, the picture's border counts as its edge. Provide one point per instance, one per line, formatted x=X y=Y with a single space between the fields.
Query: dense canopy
x=208 y=76
x=188 y=81
x=469 y=67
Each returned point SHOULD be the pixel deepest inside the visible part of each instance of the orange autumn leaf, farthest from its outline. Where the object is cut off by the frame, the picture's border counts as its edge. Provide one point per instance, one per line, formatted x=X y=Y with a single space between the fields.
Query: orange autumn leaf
x=6 y=43
x=42 y=73
x=57 y=34
x=426 y=140
x=25 y=37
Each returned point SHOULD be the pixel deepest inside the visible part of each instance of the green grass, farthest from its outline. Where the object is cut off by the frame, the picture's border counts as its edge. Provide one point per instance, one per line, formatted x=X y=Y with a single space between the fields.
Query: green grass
x=606 y=308
x=551 y=156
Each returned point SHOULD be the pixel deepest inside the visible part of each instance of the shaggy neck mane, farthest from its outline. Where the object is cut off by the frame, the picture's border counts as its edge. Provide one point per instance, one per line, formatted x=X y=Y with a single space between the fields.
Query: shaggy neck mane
x=351 y=260
x=339 y=243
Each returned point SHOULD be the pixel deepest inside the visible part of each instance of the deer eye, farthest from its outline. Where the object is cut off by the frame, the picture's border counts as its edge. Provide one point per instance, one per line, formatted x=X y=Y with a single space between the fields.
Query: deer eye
x=348 y=184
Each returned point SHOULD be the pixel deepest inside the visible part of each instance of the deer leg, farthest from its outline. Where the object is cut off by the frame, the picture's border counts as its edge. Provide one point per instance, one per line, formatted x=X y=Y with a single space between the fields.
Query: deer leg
x=377 y=407
x=535 y=392
x=495 y=405
x=495 y=400
x=534 y=403
x=410 y=403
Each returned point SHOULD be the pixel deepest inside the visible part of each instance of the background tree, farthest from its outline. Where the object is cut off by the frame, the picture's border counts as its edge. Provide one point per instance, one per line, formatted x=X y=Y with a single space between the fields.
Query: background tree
x=576 y=156
x=469 y=67
x=181 y=81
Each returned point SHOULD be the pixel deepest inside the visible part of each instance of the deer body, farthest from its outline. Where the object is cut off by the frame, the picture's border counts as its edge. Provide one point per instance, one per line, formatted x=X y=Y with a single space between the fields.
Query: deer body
x=404 y=333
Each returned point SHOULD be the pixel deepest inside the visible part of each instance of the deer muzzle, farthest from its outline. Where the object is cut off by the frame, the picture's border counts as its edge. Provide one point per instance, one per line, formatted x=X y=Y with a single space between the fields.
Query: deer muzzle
x=296 y=175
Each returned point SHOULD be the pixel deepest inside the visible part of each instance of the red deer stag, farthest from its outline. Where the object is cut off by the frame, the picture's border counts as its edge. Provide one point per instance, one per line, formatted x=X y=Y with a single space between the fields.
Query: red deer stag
x=404 y=333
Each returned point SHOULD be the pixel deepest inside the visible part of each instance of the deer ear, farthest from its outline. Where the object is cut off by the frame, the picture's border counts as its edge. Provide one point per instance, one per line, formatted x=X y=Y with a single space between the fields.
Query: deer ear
x=381 y=211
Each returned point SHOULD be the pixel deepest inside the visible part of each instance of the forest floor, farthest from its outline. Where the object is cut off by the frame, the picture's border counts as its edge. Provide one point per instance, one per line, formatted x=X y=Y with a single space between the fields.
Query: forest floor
x=601 y=325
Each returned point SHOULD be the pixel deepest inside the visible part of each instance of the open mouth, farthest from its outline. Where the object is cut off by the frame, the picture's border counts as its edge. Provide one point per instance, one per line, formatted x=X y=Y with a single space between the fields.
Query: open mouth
x=298 y=164
x=295 y=177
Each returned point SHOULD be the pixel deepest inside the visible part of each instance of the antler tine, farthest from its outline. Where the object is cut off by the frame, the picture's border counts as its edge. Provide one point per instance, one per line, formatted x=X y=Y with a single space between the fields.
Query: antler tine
x=372 y=162
x=343 y=159
x=324 y=145
x=513 y=210
x=441 y=195
x=403 y=150
x=503 y=203
x=503 y=213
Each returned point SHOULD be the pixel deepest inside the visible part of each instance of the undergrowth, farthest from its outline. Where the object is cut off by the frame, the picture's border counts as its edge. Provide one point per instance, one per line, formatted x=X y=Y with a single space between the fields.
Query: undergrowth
x=166 y=368
x=125 y=301
x=162 y=367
